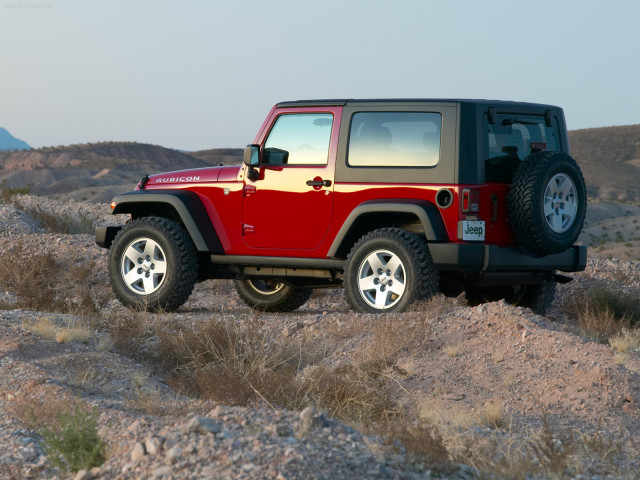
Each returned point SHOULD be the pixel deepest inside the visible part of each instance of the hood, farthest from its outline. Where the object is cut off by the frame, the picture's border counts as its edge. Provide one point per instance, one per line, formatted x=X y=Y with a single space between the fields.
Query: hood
x=193 y=176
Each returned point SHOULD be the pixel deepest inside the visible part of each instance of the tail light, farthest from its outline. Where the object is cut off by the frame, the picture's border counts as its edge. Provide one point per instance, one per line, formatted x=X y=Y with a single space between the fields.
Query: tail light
x=470 y=200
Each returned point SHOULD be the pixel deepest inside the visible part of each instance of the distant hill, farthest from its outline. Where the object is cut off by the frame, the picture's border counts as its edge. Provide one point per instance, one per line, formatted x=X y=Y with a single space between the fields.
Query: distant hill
x=8 y=142
x=89 y=172
x=220 y=156
x=610 y=160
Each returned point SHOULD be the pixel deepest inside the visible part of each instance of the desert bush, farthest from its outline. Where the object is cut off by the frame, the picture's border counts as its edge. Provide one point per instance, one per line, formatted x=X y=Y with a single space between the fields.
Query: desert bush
x=73 y=332
x=58 y=223
x=9 y=194
x=42 y=282
x=230 y=364
x=72 y=442
x=421 y=440
x=625 y=340
x=603 y=312
x=36 y=411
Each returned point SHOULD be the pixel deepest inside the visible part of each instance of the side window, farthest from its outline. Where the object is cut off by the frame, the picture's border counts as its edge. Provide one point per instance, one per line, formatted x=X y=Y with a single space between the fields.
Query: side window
x=394 y=139
x=299 y=139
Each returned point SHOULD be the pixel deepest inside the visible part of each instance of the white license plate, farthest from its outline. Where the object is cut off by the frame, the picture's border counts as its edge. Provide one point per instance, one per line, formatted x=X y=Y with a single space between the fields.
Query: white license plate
x=472 y=230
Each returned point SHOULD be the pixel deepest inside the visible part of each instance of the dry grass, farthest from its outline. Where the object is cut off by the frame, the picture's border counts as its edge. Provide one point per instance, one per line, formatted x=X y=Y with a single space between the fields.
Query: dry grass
x=41 y=282
x=603 y=312
x=40 y=409
x=626 y=340
x=53 y=222
x=75 y=332
x=492 y=415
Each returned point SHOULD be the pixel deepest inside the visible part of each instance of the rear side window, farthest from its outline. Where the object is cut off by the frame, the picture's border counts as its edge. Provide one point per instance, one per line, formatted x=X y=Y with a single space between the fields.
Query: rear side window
x=299 y=139
x=394 y=139
x=511 y=139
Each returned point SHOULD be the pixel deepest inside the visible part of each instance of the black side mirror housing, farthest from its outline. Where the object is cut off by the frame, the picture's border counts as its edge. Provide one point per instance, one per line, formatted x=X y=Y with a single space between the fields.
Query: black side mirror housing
x=252 y=160
x=252 y=155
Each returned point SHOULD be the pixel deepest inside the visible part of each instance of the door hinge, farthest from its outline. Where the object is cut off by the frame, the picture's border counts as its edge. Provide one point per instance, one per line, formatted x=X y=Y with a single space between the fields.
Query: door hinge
x=247 y=228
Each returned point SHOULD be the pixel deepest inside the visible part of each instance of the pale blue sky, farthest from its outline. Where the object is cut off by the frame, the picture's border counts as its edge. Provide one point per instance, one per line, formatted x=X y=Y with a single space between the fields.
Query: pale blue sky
x=202 y=74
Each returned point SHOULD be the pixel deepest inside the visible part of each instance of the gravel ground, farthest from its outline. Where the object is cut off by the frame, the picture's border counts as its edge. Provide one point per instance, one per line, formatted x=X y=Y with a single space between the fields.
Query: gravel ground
x=452 y=359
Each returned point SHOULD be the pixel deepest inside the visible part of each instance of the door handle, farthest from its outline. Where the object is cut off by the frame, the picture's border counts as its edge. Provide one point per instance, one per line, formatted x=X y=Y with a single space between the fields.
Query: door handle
x=319 y=183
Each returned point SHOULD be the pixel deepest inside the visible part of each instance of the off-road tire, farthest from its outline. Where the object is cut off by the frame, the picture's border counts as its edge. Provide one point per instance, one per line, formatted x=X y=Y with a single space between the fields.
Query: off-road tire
x=538 y=297
x=268 y=295
x=405 y=253
x=547 y=202
x=132 y=279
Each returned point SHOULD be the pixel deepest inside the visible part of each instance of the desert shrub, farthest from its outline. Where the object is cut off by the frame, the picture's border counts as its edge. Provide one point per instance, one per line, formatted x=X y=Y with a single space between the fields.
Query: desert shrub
x=36 y=411
x=625 y=340
x=603 y=312
x=230 y=364
x=8 y=194
x=42 y=282
x=421 y=440
x=73 y=443
x=59 y=223
x=355 y=394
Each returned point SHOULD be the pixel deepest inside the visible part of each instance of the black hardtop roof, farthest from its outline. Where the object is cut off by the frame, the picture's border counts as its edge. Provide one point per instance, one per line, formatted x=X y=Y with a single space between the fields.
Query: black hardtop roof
x=343 y=102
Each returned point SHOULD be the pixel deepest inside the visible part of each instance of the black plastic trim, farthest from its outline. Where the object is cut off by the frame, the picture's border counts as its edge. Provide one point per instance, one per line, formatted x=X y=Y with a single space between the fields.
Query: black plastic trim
x=105 y=235
x=427 y=213
x=186 y=203
x=328 y=263
x=492 y=258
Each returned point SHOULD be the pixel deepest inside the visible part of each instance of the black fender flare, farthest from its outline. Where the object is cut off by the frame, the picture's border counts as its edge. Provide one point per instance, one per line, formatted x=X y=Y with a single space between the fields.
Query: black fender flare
x=186 y=204
x=426 y=212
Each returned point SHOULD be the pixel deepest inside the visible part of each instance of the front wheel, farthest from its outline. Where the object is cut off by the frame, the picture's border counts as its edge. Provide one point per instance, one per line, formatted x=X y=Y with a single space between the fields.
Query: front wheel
x=387 y=270
x=153 y=264
x=270 y=295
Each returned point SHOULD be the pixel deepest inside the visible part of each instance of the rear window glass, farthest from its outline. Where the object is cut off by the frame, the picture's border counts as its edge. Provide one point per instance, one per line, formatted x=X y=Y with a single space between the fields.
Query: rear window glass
x=394 y=139
x=511 y=139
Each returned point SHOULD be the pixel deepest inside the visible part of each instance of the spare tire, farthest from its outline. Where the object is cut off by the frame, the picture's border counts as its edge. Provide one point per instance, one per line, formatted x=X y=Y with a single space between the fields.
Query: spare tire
x=547 y=202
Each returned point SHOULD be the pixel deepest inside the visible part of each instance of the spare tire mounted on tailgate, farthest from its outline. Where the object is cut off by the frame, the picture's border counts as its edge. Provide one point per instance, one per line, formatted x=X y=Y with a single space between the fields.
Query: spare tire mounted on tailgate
x=547 y=202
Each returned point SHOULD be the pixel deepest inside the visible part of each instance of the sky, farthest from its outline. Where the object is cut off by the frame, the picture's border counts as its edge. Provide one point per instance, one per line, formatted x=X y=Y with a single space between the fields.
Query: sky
x=196 y=74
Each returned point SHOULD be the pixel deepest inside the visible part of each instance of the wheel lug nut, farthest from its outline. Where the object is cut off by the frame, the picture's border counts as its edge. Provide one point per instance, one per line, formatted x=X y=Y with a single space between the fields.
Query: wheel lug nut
x=379 y=271
x=376 y=281
x=146 y=274
x=139 y=271
x=139 y=261
x=382 y=289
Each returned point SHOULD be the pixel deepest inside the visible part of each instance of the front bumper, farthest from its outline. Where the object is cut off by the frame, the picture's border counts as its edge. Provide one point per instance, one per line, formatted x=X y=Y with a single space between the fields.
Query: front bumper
x=493 y=258
x=105 y=235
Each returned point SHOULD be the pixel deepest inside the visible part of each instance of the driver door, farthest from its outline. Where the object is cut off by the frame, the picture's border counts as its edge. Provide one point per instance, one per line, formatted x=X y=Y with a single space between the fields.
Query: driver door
x=289 y=204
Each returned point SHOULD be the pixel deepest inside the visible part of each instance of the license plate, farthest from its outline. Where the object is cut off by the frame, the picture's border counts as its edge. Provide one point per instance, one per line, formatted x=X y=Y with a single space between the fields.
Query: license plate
x=472 y=230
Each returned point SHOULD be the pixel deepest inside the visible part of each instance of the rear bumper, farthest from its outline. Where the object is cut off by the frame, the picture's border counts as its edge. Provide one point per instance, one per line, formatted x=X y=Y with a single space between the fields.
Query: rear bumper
x=492 y=258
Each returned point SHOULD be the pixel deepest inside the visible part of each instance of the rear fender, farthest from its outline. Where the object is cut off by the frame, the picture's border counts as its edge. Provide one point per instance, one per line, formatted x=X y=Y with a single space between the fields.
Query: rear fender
x=367 y=216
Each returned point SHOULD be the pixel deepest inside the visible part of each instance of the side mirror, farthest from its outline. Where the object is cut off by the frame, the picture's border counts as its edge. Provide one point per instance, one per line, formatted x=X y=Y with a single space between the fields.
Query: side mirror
x=252 y=160
x=252 y=155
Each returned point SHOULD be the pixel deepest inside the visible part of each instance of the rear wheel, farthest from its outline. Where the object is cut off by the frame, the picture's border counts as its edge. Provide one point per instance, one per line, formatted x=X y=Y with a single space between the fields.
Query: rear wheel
x=387 y=270
x=271 y=295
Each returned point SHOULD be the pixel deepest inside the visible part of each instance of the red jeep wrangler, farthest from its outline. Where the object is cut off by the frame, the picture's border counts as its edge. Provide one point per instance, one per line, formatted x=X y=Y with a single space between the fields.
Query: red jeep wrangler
x=391 y=199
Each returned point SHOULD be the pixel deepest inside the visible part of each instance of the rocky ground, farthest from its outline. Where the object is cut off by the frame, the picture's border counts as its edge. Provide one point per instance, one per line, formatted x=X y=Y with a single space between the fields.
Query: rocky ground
x=451 y=365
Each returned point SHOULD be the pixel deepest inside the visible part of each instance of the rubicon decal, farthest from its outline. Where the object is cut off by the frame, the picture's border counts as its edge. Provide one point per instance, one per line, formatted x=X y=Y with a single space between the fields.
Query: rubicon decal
x=177 y=179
